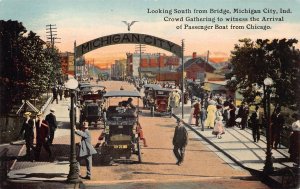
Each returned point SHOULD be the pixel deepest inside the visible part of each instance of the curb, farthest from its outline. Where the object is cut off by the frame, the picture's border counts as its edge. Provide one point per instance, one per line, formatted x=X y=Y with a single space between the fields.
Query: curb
x=13 y=184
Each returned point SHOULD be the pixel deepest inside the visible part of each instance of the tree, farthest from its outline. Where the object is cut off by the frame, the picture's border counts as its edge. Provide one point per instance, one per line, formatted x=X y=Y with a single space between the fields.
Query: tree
x=26 y=65
x=253 y=61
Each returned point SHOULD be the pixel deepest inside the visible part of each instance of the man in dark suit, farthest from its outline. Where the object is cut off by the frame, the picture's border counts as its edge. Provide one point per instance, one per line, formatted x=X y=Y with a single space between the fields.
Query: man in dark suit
x=42 y=136
x=27 y=128
x=51 y=119
x=86 y=149
x=254 y=120
x=55 y=94
x=180 y=140
x=277 y=120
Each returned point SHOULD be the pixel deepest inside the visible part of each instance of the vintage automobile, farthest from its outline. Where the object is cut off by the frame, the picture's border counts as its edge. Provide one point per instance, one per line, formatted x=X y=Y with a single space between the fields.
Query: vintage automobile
x=160 y=102
x=91 y=103
x=149 y=91
x=120 y=137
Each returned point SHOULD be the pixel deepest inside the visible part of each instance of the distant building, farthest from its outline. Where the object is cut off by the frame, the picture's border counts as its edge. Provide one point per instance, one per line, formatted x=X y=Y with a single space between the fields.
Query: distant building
x=118 y=69
x=67 y=63
x=196 y=68
x=150 y=64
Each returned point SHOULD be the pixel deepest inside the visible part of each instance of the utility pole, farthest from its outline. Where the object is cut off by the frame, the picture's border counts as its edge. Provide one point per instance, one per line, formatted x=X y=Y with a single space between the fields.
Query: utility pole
x=93 y=67
x=207 y=57
x=141 y=48
x=51 y=34
x=51 y=31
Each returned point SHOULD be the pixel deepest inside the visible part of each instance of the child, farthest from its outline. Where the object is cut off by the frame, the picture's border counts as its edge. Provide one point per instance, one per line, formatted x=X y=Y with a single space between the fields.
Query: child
x=218 y=128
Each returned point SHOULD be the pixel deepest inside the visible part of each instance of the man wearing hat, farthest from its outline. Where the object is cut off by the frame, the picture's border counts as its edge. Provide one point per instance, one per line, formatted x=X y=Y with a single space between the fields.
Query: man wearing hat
x=27 y=126
x=86 y=149
x=294 y=148
x=278 y=121
x=51 y=119
x=180 y=140
x=42 y=136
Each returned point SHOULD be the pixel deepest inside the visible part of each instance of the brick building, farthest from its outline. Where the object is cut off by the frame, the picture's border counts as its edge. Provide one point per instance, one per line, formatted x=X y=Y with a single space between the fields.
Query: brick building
x=150 y=64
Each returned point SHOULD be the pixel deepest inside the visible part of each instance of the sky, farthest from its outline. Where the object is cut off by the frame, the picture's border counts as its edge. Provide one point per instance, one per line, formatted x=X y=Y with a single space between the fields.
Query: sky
x=84 y=20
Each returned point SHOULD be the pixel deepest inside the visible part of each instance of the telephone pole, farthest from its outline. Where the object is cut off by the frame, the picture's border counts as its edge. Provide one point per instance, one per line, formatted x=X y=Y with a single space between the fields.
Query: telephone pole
x=51 y=34
x=51 y=31
x=141 y=48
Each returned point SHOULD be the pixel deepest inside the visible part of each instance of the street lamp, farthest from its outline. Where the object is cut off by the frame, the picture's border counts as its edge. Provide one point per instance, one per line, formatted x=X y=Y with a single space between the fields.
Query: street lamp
x=73 y=176
x=268 y=82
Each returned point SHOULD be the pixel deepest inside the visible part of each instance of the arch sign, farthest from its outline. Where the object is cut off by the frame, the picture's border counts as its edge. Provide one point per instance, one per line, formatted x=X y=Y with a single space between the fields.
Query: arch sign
x=128 y=38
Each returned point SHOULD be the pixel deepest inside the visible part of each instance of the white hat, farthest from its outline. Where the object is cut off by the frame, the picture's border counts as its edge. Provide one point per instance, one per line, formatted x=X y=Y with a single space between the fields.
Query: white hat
x=52 y=110
x=296 y=126
x=27 y=114
x=85 y=124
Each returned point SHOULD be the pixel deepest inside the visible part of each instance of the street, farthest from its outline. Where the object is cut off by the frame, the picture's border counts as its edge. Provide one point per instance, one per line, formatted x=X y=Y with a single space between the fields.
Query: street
x=202 y=168
x=158 y=161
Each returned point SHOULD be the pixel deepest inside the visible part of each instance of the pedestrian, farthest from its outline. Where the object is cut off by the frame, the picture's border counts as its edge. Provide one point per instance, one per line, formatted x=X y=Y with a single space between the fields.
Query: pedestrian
x=294 y=148
x=27 y=129
x=54 y=92
x=219 y=111
x=172 y=100
x=196 y=112
x=231 y=120
x=239 y=114
x=86 y=149
x=42 y=136
x=219 y=127
x=277 y=120
x=140 y=132
x=66 y=93
x=51 y=119
x=60 y=92
x=254 y=121
x=244 y=116
x=203 y=117
x=180 y=140
x=177 y=98
x=211 y=114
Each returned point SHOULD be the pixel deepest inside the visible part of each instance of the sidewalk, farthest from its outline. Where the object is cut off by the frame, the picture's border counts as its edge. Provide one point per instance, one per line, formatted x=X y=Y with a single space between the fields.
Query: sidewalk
x=23 y=171
x=236 y=147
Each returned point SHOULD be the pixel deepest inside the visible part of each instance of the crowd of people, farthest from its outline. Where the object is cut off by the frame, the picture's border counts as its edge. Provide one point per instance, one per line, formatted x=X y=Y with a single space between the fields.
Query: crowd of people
x=44 y=134
x=59 y=91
